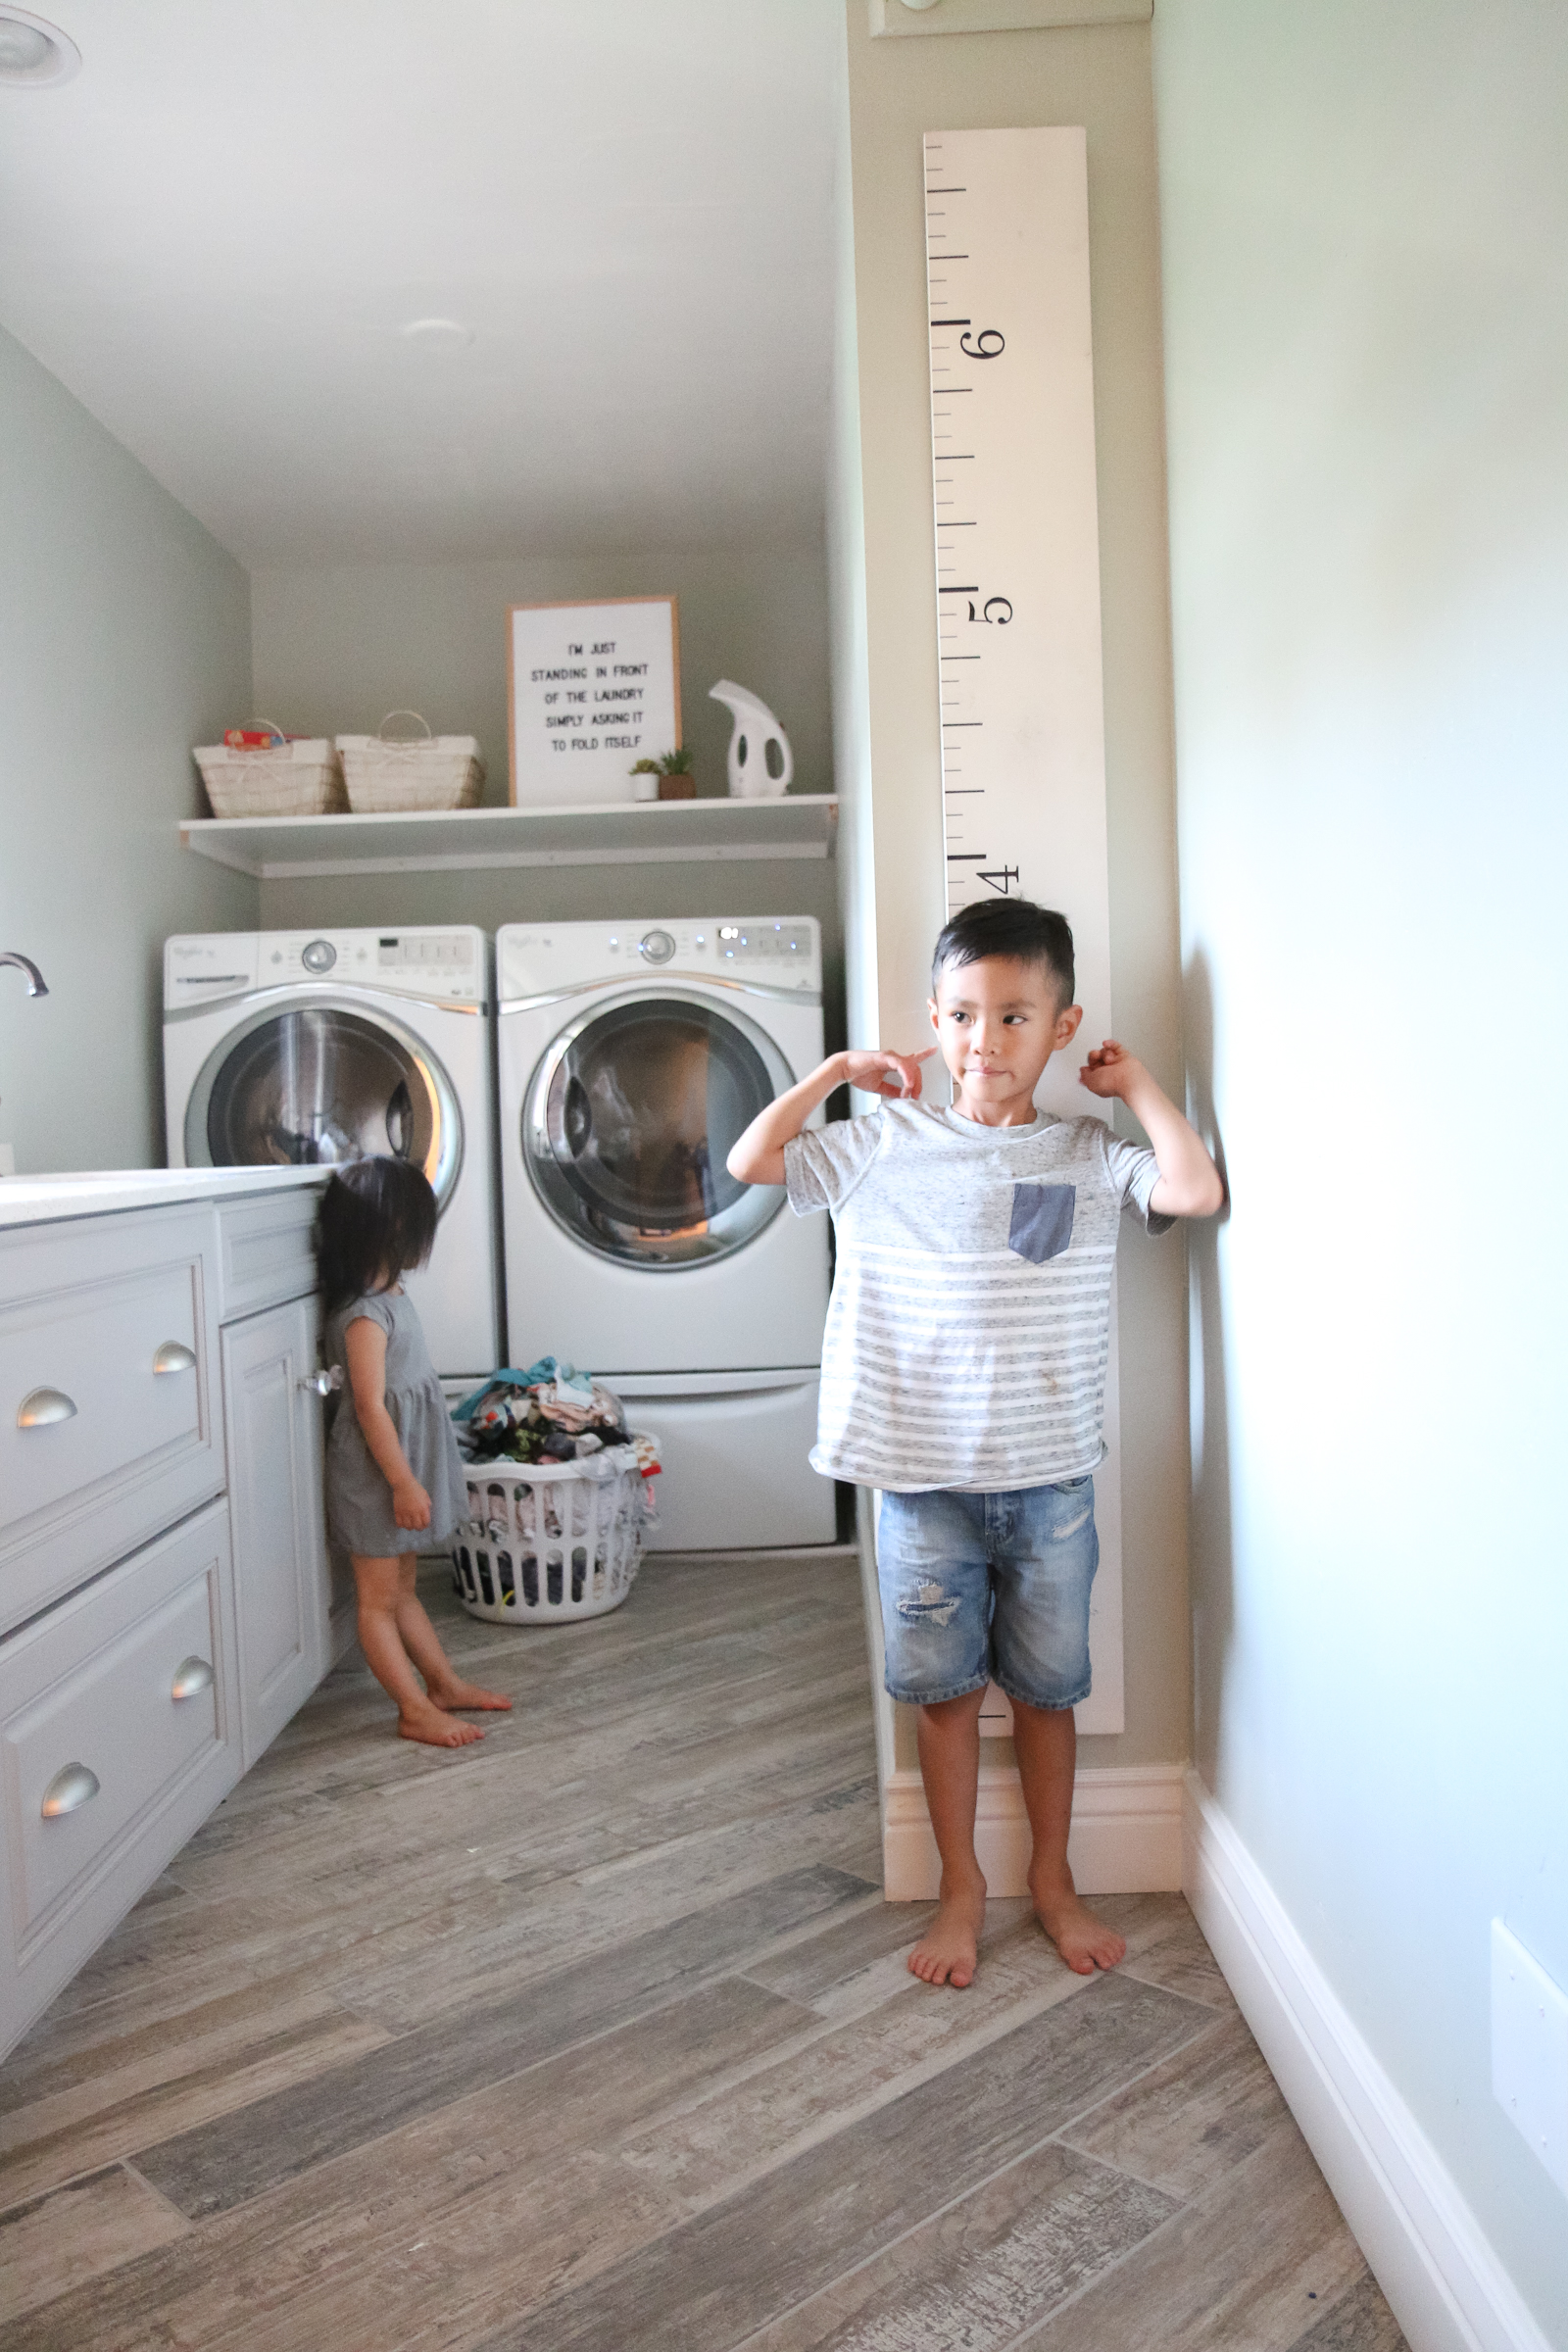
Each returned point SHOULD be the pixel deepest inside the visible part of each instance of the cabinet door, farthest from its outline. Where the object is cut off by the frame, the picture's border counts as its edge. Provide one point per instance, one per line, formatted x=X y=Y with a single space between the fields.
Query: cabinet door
x=108 y=1430
x=118 y=1736
x=273 y=1422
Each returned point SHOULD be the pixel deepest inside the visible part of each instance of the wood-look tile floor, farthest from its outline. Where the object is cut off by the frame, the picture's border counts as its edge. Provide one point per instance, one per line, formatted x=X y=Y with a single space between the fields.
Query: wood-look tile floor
x=599 y=2036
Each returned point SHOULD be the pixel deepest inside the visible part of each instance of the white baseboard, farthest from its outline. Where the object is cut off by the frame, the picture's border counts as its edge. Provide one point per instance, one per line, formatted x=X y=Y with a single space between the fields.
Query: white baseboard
x=1126 y=1832
x=1447 y=2289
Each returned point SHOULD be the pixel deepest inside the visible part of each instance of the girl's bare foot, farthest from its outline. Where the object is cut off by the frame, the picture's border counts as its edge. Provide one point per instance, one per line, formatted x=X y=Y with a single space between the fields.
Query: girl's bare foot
x=435 y=1728
x=1084 y=1942
x=949 y=1952
x=466 y=1695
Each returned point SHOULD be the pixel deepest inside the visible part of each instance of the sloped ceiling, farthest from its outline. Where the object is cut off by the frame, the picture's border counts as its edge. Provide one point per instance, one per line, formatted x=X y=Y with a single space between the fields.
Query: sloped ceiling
x=215 y=233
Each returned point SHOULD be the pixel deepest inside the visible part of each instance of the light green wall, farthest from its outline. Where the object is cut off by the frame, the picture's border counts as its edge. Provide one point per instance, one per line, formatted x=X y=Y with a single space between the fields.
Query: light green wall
x=336 y=648
x=1098 y=77
x=1365 y=216
x=124 y=639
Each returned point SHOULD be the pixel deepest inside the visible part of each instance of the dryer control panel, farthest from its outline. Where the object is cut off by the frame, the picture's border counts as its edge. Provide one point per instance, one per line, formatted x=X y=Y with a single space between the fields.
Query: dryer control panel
x=776 y=950
x=425 y=959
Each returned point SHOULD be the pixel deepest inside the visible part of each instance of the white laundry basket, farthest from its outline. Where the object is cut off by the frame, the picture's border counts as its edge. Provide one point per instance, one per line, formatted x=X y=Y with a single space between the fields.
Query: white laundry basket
x=548 y=1542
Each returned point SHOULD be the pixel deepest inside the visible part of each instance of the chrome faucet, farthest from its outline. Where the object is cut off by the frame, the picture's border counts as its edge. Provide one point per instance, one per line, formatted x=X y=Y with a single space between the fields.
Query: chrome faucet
x=35 y=980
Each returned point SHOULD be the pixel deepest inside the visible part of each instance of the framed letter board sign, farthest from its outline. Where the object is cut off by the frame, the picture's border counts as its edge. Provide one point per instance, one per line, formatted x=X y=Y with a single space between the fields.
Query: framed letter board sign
x=594 y=688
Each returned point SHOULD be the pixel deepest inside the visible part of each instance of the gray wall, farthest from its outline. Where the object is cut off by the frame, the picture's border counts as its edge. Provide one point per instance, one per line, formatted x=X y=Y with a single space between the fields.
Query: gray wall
x=1099 y=77
x=1365 y=214
x=124 y=639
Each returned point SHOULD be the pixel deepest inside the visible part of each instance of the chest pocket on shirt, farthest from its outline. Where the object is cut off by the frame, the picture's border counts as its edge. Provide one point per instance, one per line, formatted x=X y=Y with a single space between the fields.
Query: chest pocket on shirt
x=1041 y=1220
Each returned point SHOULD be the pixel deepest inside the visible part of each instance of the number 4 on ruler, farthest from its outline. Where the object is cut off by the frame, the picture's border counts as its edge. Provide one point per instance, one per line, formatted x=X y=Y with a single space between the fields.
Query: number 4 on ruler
x=1000 y=877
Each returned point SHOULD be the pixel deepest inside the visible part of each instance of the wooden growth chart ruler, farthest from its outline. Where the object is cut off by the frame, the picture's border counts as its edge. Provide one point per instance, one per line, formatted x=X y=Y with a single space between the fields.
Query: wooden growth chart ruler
x=1018 y=552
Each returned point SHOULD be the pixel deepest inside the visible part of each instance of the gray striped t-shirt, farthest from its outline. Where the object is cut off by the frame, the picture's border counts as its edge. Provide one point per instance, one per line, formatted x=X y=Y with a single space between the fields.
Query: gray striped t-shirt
x=966 y=1336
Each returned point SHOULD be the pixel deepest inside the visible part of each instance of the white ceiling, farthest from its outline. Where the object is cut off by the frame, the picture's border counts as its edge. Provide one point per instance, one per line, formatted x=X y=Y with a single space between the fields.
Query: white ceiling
x=213 y=234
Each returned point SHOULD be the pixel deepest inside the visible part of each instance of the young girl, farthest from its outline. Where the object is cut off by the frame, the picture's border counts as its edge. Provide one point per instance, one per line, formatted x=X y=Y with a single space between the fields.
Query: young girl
x=395 y=1482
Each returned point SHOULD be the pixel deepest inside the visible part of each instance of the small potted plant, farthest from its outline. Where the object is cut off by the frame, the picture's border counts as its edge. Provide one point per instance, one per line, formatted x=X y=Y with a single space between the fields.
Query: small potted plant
x=645 y=780
x=675 y=779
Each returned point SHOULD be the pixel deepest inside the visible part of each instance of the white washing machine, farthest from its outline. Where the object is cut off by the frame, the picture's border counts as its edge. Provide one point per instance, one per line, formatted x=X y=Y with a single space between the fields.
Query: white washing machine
x=313 y=1047
x=631 y=1055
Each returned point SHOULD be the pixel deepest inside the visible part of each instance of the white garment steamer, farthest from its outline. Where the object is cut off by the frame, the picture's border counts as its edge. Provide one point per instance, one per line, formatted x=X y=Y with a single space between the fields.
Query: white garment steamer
x=755 y=731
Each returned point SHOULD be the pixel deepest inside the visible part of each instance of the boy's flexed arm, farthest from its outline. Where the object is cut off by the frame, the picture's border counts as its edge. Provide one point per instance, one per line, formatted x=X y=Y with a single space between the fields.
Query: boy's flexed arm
x=1190 y=1183
x=758 y=1157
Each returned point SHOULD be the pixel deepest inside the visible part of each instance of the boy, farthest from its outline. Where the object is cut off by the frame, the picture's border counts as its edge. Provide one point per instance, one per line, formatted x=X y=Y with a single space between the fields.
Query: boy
x=964 y=1367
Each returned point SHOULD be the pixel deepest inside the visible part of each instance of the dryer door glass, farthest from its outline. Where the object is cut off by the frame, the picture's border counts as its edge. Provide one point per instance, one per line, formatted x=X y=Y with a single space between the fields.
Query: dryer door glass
x=323 y=1085
x=631 y=1118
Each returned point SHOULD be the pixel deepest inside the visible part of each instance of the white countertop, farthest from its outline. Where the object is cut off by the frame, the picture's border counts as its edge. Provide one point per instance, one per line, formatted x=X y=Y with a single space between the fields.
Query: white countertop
x=40 y=1200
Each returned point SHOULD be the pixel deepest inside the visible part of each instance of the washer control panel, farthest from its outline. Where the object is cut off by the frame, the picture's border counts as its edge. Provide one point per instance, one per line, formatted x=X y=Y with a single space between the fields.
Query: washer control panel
x=656 y=947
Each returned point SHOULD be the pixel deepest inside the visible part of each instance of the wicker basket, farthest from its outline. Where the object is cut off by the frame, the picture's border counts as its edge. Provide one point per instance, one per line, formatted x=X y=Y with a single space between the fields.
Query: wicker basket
x=548 y=1542
x=272 y=779
x=385 y=773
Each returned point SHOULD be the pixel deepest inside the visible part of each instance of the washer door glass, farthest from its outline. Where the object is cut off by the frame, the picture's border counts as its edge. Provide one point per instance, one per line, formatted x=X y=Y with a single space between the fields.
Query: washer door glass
x=629 y=1120
x=322 y=1085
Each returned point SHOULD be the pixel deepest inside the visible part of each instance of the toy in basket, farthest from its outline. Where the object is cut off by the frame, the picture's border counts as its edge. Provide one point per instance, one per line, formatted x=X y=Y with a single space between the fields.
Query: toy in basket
x=559 y=1498
x=387 y=773
x=259 y=771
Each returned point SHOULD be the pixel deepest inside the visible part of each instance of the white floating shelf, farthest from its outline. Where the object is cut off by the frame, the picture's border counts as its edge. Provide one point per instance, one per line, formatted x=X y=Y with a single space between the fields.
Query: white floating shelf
x=279 y=849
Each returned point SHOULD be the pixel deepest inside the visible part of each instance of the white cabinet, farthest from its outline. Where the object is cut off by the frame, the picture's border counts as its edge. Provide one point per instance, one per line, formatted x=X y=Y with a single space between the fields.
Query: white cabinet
x=156 y=1631
x=272 y=1421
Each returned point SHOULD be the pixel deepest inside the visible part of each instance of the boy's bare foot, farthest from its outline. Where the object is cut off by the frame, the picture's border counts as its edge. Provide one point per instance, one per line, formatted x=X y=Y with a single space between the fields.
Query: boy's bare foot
x=466 y=1695
x=1084 y=1942
x=435 y=1728
x=949 y=1952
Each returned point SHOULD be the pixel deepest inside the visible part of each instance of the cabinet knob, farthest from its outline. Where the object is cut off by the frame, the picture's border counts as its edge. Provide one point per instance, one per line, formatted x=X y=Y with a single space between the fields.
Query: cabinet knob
x=173 y=1356
x=70 y=1787
x=192 y=1676
x=323 y=1384
x=44 y=1406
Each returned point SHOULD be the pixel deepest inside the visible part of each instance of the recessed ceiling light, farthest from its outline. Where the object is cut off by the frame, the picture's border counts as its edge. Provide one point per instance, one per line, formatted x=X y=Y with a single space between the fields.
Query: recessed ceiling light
x=436 y=331
x=34 y=53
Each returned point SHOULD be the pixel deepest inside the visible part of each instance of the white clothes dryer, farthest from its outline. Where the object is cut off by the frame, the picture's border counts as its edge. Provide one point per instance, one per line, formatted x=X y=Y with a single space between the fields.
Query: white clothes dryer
x=315 y=1046
x=631 y=1055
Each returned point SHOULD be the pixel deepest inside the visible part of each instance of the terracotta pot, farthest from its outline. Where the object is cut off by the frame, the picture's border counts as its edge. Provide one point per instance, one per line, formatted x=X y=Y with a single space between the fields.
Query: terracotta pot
x=678 y=788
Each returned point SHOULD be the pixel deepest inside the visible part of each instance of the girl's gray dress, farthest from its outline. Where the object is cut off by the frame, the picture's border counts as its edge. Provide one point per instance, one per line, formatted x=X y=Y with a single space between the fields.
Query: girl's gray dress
x=359 y=1498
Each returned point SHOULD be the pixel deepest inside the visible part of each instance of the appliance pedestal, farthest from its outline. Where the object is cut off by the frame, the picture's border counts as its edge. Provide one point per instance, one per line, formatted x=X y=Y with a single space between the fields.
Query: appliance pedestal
x=734 y=1448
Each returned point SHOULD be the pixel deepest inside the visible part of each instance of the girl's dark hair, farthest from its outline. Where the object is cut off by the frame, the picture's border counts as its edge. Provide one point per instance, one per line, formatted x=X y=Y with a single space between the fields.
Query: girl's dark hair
x=1010 y=927
x=377 y=1217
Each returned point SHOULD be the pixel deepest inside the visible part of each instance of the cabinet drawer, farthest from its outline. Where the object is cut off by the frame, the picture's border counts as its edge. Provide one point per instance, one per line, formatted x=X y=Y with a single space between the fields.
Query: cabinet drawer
x=107 y=1394
x=267 y=1251
x=118 y=1735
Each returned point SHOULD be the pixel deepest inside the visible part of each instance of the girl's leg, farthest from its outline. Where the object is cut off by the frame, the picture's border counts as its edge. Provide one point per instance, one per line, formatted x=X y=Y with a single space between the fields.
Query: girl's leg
x=418 y=1638
x=377 y=1585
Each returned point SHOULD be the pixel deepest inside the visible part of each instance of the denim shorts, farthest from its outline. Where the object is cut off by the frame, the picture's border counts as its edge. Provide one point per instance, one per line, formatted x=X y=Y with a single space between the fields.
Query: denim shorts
x=988 y=1588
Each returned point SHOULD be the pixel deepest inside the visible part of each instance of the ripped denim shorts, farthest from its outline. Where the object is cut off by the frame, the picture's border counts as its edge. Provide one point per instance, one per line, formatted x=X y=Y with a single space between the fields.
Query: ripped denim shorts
x=983 y=1588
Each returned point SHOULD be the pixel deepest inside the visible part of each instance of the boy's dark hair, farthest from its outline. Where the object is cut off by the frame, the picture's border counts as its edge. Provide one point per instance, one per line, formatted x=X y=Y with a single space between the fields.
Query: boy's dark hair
x=1008 y=927
x=377 y=1217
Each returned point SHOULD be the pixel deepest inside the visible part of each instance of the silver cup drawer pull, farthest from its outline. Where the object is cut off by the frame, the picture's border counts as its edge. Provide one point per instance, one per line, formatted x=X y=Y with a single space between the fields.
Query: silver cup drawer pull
x=44 y=1406
x=173 y=1356
x=192 y=1676
x=323 y=1384
x=69 y=1790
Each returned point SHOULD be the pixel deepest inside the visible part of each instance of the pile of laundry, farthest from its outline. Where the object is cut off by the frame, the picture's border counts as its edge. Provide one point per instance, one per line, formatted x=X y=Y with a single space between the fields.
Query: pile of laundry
x=550 y=1413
